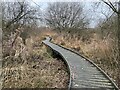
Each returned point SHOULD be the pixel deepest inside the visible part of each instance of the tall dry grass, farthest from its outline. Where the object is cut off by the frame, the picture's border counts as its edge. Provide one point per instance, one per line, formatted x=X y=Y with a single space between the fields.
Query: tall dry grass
x=104 y=52
x=33 y=67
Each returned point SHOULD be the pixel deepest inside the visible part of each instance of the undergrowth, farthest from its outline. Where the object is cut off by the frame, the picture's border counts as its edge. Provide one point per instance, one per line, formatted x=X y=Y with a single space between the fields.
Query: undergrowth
x=31 y=66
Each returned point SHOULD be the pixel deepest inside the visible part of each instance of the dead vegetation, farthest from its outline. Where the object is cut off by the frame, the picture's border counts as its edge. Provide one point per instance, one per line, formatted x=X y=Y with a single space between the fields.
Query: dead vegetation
x=103 y=52
x=31 y=66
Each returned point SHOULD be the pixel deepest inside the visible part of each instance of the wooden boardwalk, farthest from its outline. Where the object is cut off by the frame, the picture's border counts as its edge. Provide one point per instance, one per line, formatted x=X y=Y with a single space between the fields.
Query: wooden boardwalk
x=83 y=73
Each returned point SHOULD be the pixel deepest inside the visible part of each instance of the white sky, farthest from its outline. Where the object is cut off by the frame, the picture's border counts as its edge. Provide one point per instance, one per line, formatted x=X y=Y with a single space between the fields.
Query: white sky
x=93 y=13
x=73 y=0
x=62 y=0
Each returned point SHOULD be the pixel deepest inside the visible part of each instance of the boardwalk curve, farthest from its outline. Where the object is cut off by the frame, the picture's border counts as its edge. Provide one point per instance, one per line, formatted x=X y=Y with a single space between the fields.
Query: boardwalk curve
x=84 y=74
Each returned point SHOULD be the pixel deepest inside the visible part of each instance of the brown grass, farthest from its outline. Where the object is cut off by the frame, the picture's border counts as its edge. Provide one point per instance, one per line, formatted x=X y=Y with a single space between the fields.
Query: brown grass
x=103 y=52
x=34 y=67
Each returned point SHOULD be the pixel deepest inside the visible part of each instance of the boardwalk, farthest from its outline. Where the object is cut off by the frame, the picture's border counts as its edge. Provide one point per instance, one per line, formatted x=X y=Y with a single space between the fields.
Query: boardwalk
x=83 y=73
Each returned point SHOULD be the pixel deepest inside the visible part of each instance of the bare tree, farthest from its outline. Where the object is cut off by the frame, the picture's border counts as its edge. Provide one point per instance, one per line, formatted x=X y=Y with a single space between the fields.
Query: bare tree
x=19 y=15
x=117 y=11
x=66 y=15
x=16 y=14
x=113 y=6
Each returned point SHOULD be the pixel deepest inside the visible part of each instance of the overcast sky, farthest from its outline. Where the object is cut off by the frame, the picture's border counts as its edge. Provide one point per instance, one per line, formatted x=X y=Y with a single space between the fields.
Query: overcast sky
x=92 y=12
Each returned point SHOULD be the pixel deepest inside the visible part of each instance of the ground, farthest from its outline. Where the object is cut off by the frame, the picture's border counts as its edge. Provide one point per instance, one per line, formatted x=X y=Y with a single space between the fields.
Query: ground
x=34 y=67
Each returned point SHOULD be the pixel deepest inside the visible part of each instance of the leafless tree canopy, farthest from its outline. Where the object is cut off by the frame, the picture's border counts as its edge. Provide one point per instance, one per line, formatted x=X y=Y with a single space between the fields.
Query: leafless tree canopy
x=16 y=14
x=63 y=15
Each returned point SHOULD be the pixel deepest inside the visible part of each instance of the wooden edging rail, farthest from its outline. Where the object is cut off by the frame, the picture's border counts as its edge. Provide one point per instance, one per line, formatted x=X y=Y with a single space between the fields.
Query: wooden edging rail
x=70 y=81
x=68 y=67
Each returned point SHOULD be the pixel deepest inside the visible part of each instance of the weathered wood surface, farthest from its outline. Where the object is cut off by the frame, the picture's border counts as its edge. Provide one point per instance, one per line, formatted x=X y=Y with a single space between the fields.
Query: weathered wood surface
x=84 y=74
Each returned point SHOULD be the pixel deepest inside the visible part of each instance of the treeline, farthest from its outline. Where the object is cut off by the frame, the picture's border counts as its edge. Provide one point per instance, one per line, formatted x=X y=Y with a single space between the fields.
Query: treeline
x=108 y=27
x=69 y=17
x=66 y=16
x=19 y=15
